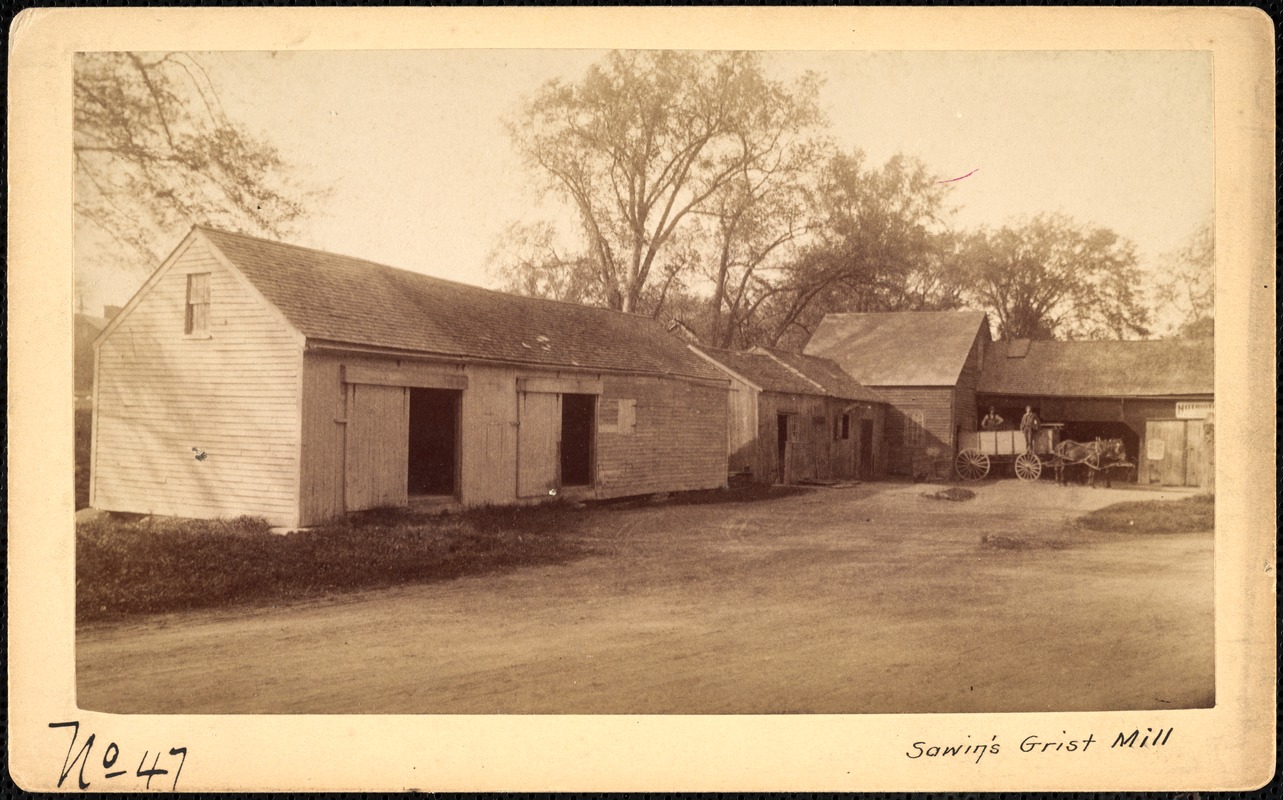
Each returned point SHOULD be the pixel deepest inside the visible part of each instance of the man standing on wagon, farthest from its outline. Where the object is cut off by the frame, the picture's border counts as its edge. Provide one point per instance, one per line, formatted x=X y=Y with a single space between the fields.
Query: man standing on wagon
x=1029 y=427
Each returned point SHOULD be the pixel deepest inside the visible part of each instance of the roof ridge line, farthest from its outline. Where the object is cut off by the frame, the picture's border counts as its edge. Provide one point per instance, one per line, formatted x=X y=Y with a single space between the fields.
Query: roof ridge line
x=381 y=265
x=766 y=352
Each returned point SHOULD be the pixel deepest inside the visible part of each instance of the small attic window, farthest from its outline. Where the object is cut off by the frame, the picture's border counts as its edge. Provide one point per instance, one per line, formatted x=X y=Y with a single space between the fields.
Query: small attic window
x=196 y=322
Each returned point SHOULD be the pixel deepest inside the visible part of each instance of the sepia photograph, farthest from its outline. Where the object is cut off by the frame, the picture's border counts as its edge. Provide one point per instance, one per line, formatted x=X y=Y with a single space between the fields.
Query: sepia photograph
x=644 y=382
x=651 y=383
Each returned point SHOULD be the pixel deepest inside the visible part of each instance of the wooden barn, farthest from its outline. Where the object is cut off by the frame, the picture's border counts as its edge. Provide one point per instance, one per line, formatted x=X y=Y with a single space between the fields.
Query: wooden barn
x=252 y=377
x=1154 y=395
x=796 y=418
x=926 y=365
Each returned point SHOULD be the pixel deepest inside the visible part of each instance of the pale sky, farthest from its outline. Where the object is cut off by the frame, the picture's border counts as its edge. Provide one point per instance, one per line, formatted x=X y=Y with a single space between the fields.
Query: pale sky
x=423 y=176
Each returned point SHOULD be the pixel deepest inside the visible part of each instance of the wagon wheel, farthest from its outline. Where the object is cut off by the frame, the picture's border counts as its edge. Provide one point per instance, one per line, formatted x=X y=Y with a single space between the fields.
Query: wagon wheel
x=971 y=465
x=1028 y=467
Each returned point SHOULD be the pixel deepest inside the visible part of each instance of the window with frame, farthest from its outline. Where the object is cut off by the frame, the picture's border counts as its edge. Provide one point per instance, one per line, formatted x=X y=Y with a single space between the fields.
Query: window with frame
x=845 y=432
x=196 y=320
x=914 y=424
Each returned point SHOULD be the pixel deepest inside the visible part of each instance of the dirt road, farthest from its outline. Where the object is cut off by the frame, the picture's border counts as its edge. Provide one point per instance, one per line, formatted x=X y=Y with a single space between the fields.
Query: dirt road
x=871 y=599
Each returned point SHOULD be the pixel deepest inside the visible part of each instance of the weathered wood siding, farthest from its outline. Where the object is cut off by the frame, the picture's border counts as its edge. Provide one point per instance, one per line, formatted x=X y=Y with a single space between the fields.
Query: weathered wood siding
x=165 y=397
x=377 y=446
x=965 y=411
x=653 y=434
x=678 y=440
x=935 y=437
x=741 y=430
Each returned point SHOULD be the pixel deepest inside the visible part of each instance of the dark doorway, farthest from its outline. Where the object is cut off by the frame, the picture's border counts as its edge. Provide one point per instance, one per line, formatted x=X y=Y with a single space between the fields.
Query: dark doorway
x=781 y=445
x=866 y=448
x=578 y=413
x=434 y=442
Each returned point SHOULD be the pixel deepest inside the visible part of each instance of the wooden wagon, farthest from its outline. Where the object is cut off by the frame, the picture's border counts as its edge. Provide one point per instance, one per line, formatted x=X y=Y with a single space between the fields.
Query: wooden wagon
x=979 y=450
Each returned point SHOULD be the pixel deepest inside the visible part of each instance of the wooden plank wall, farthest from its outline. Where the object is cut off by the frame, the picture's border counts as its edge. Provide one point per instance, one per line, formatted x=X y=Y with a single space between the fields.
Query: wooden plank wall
x=678 y=442
x=964 y=396
x=672 y=435
x=165 y=398
x=741 y=430
x=377 y=457
x=936 y=405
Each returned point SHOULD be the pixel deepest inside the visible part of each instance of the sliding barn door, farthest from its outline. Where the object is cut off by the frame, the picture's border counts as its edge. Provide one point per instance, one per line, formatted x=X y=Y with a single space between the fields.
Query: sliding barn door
x=538 y=440
x=377 y=458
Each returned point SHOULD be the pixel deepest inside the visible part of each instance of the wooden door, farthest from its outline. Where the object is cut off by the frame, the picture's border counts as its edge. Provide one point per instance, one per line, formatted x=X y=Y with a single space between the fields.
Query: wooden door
x=538 y=443
x=866 y=449
x=377 y=443
x=821 y=448
x=1165 y=451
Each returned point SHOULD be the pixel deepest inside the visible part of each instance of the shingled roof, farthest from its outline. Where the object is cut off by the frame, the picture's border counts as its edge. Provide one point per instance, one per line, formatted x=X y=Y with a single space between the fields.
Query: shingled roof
x=1157 y=368
x=902 y=348
x=762 y=371
x=827 y=374
x=353 y=301
x=791 y=373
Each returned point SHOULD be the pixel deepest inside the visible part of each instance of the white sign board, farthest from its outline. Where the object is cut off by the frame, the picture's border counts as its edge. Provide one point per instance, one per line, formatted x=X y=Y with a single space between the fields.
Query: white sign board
x=1193 y=410
x=1155 y=449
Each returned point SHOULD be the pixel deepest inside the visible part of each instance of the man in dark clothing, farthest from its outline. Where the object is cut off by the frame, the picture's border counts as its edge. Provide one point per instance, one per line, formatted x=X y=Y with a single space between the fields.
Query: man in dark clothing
x=1029 y=427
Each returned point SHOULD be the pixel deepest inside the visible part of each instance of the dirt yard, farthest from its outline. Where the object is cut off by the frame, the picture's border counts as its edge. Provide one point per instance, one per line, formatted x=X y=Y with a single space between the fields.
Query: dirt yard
x=873 y=599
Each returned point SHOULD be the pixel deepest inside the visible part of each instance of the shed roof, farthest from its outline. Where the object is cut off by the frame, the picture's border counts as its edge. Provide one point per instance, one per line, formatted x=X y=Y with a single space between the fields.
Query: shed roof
x=1153 y=368
x=900 y=348
x=353 y=301
x=827 y=374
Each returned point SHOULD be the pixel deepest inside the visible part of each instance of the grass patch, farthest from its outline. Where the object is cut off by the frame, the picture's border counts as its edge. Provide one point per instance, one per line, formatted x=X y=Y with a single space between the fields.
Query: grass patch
x=1189 y=515
x=146 y=565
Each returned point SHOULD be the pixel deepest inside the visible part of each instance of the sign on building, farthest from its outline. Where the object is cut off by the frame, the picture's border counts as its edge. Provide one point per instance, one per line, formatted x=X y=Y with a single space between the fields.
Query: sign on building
x=1193 y=410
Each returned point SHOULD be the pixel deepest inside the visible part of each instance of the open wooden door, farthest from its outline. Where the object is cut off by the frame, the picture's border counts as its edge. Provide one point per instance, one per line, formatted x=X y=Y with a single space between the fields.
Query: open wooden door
x=377 y=457
x=538 y=443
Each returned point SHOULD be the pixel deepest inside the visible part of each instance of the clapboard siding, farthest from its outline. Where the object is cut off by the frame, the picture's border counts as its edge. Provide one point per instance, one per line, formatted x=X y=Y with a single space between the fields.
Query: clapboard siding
x=966 y=415
x=936 y=440
x=164 y=398
x=678 y=442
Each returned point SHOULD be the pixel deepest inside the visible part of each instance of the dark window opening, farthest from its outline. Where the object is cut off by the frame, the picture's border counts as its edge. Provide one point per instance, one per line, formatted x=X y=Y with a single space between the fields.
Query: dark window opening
x=434 y=442
x=578 y=414
x=196 y=317
x=846 y=427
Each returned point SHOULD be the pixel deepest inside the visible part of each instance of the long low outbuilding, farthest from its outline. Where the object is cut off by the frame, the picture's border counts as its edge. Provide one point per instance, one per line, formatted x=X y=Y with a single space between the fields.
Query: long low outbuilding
x=252 y=377
x=796 y=418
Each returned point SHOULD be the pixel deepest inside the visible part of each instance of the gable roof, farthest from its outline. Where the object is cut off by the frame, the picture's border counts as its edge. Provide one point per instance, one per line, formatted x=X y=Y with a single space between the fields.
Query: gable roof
x=353 y=301
x=791 y=373
x=826 y=373
x=899 y=348
x=762 y=371
x=1154 y=368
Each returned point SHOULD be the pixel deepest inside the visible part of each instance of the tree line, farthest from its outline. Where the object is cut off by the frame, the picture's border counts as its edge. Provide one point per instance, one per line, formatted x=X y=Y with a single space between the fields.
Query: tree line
x=702 y=189
x=706 y=191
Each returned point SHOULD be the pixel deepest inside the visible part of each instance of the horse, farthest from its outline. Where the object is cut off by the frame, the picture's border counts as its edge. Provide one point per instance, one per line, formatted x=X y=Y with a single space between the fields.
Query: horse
x=1096 y=456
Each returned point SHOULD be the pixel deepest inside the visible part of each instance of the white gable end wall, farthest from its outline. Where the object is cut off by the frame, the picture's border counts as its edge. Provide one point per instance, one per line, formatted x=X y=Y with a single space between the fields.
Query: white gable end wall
x=198 y=425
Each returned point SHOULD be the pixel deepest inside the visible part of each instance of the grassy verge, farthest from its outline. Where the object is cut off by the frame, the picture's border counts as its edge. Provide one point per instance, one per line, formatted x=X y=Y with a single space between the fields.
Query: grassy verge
x=150 y=565
x=1192 y=514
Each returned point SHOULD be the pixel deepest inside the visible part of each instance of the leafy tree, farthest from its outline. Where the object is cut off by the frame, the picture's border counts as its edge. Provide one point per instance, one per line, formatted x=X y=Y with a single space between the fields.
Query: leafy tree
x=879 y=241
x=644 y=141
x=754 y=225
x=1188 y=284
x=155 y=152
x=1049 y=277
